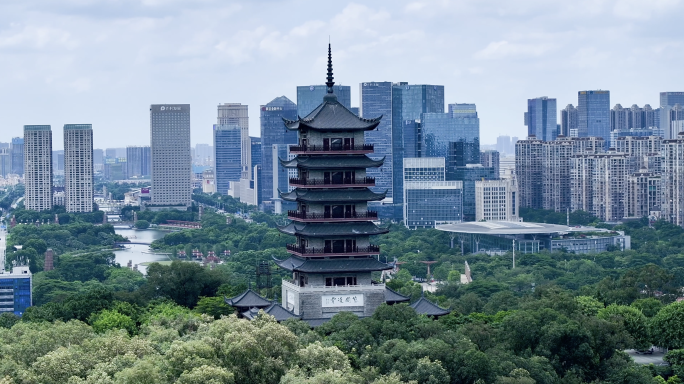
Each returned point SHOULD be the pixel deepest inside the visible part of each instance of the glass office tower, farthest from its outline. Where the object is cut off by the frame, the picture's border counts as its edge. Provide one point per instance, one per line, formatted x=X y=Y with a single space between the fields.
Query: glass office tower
x=273 y=132
x=310 y=96
x=593 y=114
x=376 y=100
x=16 y=288
x=227 y=156
x=454 y=136
x=408 y=103
x=469 y=174
x=540 y=118
x=17 y=155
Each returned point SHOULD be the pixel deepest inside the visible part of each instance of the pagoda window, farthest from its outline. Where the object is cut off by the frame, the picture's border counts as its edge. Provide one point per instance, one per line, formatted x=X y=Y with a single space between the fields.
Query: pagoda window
x=337 y=177
x=348 y=143
x=339 y=211
x=340 y=281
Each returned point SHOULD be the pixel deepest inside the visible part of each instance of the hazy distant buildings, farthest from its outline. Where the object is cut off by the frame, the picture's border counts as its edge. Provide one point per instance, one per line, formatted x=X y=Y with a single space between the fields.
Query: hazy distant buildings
x=593 y=112
x=376 y=100
x=505 y=145
x=38 y=167
x=540 y=118
x=5 y=162
x=491 y=158
x=203 y=155
x=138 y=160
x=309 y=97
x=171 y=158
x=469 y=174
x=78 y=167
x=273 y=132
x=17 y=155
x=98 y=160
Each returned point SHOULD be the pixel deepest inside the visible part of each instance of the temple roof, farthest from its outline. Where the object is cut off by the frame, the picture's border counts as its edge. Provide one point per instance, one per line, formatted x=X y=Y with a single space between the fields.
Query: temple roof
x=326 y=162
x=426 y=307
x=332 y=229
x=248 y=299
x=336 y=265
x=332 y=195
x=276 y=310
x=392 y=296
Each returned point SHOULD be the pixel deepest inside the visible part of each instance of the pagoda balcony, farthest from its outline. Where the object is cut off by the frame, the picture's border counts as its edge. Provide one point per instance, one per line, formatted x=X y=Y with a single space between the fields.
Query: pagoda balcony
x=322 y=217
x=332 y=183
x=292 y=285
x=325 y=251
x=331 y=149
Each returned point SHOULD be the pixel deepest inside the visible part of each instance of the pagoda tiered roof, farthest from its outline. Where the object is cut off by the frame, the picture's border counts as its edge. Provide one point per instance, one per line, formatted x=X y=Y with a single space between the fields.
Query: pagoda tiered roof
x=332 y=116
x=332 y=162
x=298 y=264
x=426 y=307
x=276 y=310
x=332 y=195
x=248 y=299
x=365 y=228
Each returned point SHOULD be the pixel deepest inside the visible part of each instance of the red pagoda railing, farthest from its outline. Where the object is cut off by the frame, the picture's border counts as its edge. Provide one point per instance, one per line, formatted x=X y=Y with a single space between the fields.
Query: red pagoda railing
x=347 y=216
x=313 y=251
x=365 y=148
x=347 y=181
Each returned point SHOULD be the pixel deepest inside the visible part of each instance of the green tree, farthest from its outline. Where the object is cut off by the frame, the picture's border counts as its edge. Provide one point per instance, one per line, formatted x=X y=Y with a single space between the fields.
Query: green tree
x=667 y=327
x=108 y=320
x=142 y=224
x=632 y=320
x=213 y=306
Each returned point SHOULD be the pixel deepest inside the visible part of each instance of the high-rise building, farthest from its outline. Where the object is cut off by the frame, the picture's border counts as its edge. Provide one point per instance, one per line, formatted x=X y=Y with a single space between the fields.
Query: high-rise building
x=16 y=288
x=528 y=170
x=310 y=96
x=643 y=149
x=376 y=100
x=540 y=118
x=454 y=135
x=409 y=102
x=256 y=151
x=227 y=156
x=599 y=184
x=203 y=155
x=138 y=161
x=496 y=200
x=673 y=180
x=644 y=194
x=5 y=162
x=671 y=98
x=58 y=162
x=115 y=169
x=38 y=167
x=506 y=145
x=273 y=132
x=171 y=158
x=428 y=198
x=555 y=173
x=469 y=175
x=17 y=153
x=593 y=114
x=491 y=158
x=78 y=167
x=235 y=114
x=569 y=121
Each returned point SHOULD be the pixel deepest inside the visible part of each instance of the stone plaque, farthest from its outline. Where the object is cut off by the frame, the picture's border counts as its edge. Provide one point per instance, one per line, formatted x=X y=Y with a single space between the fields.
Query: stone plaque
x=346 y=300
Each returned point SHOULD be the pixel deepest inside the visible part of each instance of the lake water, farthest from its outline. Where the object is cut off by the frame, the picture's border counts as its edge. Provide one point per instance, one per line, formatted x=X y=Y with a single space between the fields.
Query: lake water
x=139 y=253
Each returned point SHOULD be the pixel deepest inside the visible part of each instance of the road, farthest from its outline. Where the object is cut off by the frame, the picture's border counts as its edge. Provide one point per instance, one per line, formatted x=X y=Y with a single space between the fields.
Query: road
x=656 y=358
x=3 y=246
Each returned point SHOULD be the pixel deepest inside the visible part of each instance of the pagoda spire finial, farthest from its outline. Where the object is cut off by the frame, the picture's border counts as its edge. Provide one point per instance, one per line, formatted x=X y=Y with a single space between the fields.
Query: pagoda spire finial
x=330 y=81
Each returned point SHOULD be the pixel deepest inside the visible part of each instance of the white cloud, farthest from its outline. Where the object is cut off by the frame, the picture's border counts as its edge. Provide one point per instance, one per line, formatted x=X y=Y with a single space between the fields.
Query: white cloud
x=503 y=49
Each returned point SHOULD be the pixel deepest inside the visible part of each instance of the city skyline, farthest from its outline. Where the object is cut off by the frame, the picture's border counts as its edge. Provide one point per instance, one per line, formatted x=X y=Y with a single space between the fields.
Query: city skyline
x=135 y=55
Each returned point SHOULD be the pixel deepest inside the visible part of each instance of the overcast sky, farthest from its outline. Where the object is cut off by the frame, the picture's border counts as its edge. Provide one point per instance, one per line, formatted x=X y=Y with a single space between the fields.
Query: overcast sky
x=105 y=61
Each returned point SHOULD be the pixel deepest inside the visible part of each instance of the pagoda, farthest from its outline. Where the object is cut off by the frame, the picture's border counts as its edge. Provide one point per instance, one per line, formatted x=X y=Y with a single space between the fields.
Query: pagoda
x=332 y=258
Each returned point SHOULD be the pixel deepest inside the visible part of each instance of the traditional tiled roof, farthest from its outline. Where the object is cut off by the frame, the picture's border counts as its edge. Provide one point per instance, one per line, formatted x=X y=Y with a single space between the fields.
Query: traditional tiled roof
x=392 y=296
x=426 y=307
x=248 y=299
x=332 y=229
x=366 y=264
x=330 y=115
x=332 y=195
x=332 y=162
x=276 y=310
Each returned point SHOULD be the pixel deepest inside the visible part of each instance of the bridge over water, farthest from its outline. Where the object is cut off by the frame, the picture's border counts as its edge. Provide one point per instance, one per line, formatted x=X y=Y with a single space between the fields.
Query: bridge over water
x=133 y=243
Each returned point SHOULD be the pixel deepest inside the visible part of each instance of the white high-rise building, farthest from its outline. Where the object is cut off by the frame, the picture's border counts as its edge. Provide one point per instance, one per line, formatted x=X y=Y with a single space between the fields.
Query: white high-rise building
x=673 y=180
x=38 y=167
x=78 y=167
x=171 y=156
x=496 y=200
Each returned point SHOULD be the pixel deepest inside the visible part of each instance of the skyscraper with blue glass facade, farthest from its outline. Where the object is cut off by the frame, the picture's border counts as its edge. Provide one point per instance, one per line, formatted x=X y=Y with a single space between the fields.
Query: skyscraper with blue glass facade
x=540 y=118
x=309 y=97
x=273 y=132
x=408 y=103
x=469 y=174
x=227 y=156
x=376 y=100
x=593 y=114
x=454 y=135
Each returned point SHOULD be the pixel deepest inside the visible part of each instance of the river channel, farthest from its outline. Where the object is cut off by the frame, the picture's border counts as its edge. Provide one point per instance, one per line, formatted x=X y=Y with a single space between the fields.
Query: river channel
x=137 y=253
